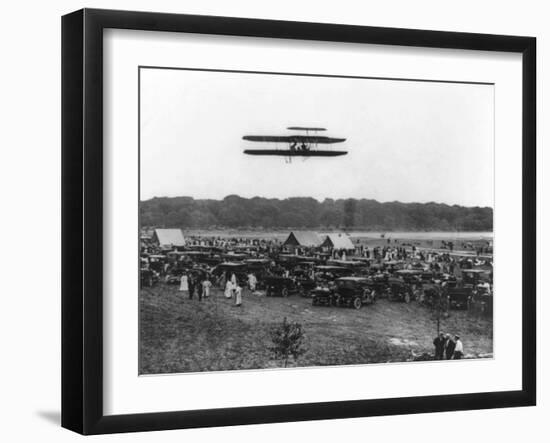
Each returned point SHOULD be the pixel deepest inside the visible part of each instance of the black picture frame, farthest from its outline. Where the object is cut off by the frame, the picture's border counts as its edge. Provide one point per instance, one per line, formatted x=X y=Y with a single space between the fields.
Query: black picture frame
x=82 y=215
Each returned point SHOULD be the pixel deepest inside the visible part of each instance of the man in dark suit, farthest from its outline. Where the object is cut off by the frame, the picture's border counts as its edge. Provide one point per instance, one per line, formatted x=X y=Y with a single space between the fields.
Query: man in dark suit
x=439 y=343
x=449 y=347
x=191 y=283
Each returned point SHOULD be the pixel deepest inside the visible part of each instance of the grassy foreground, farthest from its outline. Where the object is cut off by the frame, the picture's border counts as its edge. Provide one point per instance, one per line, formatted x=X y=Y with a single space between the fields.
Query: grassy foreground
x=181 y=335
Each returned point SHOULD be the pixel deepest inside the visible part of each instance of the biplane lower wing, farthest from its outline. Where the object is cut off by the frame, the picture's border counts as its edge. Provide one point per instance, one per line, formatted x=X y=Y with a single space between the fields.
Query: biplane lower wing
x=293 y=139
x=294 y=153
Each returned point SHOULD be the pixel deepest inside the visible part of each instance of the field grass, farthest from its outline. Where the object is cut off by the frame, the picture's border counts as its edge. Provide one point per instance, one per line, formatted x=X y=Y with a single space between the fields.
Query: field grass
x=182 y=335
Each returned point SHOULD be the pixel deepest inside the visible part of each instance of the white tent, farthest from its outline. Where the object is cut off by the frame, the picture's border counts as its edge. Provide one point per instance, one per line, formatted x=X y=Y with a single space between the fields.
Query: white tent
x=303 y=238
x=338 y=241
x=169 y=238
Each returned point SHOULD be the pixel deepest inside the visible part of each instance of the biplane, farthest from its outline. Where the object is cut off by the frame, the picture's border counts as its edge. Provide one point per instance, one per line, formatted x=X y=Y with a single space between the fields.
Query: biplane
x=299 y=145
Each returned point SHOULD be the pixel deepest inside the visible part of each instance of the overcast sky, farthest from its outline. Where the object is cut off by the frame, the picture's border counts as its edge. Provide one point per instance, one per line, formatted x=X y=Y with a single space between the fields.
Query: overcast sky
x=407 y=141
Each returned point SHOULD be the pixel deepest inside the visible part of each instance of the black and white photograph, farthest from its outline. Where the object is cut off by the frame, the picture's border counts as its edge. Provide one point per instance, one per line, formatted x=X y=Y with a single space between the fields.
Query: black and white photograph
x=292 y=220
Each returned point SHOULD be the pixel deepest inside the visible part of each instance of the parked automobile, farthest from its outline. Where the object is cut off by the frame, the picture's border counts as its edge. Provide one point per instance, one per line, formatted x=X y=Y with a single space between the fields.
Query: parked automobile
x=279 y=286
x=410 y=276
x=432 y=294
x=399 y=290
x=148 y=277
x=322 y=296
x=472 y=277
x=174 y=276
x=354 y=292
x=324 y=274
x=483 y=302
x=459 y=297
x=304 y=282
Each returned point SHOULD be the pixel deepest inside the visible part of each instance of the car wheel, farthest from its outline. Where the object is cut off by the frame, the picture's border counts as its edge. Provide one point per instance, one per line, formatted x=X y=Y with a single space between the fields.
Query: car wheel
x=284 y=292
x=357 y=303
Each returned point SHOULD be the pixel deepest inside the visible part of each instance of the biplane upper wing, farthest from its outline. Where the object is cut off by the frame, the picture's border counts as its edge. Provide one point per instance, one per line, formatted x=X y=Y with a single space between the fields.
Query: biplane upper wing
x=302 y=128
x=293 y=139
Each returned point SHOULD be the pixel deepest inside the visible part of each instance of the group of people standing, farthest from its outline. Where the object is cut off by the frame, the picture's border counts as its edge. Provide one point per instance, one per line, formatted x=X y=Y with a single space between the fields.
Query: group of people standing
x=200 y=284
x=233 y=289
x=196 y=283
x=448 y=347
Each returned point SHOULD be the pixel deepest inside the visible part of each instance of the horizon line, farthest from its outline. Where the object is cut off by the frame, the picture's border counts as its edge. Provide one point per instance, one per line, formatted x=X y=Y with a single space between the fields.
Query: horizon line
x=316 y=199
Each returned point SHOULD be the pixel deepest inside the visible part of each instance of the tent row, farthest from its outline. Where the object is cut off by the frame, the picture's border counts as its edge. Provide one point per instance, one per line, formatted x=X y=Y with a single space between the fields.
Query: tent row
x=311 y=239
x=170 y=238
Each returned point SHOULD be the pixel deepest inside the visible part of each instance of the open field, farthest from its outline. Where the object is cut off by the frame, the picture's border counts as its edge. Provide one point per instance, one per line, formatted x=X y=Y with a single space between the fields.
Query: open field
x=181 y=335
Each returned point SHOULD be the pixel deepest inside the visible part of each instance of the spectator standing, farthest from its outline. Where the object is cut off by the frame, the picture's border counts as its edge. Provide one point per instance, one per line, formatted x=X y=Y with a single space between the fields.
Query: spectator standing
x=191 y=283
x=184 y=287
x=252 y=281
x=449 y=347
x=459 y=349
x=238 y=296
x=206 y=285
x=198 y=285
x=439 y=344
x=228 y=289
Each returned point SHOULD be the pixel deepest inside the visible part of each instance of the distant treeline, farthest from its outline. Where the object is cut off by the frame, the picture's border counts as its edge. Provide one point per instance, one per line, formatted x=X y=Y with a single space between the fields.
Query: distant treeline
x=307 y=213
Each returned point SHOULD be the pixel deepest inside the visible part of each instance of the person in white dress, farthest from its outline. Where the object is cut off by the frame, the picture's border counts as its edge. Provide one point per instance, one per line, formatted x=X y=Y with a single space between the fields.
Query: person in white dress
x=184 y=286
x=206 y=285
x=252 y=281
x=238 y=296
x=228 y=289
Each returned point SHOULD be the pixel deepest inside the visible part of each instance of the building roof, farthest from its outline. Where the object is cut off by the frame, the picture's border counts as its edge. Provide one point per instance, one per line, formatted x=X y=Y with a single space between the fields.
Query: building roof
x=338 y=241
x=169 y=237
x=304 y=238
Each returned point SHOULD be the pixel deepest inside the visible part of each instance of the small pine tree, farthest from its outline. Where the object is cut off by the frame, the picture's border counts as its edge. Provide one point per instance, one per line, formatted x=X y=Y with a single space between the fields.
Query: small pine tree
x=440 y=308
x=287 y=341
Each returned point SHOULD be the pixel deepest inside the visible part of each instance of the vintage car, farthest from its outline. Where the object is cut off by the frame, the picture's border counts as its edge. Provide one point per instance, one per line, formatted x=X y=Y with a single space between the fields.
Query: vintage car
x=380 y=283
x=472 y=277
x=459 y=297
x=399 y=290
x=429 y=276
x=287 y=260
x=210 y=260
x=305 y=282
x=357 y=266
x=410 y=276
x=156 y=262
x=324 y=274
x=174 y=276
x=279 y=286
x=354 y=292
x=393 y=266
x=433 y=296
x=322 y=296
x=260 y=267
x=229 y=267
x=483 y=302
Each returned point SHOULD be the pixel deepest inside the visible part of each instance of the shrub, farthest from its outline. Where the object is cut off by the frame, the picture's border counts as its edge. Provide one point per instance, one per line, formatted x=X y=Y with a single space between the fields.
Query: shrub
x=287 y=341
